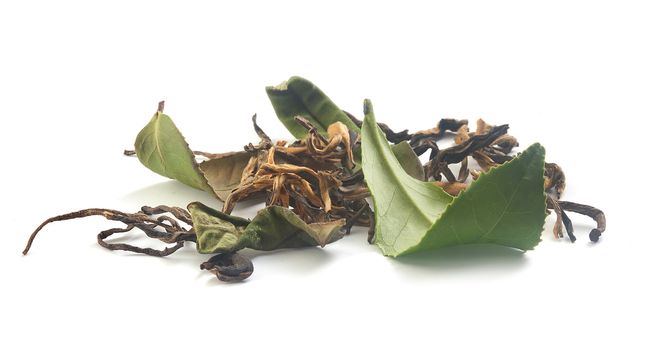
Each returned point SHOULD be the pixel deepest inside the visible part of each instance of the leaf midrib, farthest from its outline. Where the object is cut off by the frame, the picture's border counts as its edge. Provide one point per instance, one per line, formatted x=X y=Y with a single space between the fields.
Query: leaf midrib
x=314 y=118
x=404 y=188
x=158 y=148
x=505 y=211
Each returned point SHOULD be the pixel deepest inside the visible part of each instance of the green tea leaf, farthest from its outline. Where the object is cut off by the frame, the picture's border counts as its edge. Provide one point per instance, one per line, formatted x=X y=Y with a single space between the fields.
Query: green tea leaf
x=505 y=206
x=300 y=97
x=216 y=231
x=273 y=228
x=408 y=160
x=405 y=208
x=277 y=227
x=161 y=148
x=223 y=173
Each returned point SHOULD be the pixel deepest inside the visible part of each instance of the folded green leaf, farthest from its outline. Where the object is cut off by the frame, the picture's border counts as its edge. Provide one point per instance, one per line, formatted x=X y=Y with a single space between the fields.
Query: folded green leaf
x=273 y=228
x=505 y=206
x=161 y=148
x=300 y=97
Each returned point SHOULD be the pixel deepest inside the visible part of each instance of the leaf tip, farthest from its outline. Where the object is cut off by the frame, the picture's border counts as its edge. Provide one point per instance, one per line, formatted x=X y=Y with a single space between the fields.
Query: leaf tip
x=368 y=107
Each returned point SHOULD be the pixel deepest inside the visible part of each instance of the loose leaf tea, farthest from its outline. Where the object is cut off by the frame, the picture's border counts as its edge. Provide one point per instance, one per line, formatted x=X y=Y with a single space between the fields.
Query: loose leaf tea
x=298 y=97
x=273 y=228
x=161 y=148
x=505 y=206
x=223 y=172
x=316 y=188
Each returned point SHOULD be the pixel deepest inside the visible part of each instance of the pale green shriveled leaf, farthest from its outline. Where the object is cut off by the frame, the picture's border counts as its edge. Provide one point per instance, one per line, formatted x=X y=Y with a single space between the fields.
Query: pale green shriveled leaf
x=505 y=206
x=300 y=97
x=216 y=231
x=273 y=228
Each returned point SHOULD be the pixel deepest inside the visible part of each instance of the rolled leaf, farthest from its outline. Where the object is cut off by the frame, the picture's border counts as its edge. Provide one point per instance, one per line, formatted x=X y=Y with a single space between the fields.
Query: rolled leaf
x=300 y=97
x=505 y=206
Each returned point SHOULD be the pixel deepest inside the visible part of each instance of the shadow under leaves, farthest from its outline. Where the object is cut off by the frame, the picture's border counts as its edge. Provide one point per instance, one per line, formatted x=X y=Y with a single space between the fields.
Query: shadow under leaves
x=465 y=258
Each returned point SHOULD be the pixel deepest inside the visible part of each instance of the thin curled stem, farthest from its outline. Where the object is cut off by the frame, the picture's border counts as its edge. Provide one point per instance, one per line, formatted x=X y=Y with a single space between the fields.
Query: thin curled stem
x=164 y=227
x=131 y=248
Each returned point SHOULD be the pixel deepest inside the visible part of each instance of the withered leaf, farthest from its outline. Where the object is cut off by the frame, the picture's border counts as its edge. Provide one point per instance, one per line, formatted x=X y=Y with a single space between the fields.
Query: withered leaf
x=161 y=147
x=223 y=173
x=300 y=97
x=273 y=228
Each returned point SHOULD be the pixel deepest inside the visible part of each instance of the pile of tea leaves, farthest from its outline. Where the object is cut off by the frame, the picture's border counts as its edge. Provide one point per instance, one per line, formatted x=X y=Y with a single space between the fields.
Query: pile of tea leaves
x=343 y=172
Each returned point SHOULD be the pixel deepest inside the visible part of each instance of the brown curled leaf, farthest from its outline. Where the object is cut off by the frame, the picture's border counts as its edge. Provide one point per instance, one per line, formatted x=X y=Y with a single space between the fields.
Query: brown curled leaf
x=452 y=188
x=229 y=267
x=339 y=131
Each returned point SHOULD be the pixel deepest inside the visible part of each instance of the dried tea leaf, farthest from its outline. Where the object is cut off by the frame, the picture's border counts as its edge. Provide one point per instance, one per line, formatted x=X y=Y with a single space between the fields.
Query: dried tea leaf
x=505 y=206
x=161 y=148
x=229 y=267
x=223 y=173
x=300 y=97
x=277 y=227
x=216 y=231
x=273 y=228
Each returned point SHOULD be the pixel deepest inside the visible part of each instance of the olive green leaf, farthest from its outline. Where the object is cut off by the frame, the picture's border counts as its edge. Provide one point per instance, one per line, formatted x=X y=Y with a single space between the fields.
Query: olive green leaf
x=505 y=206
x=223 y=172
x=408 y=160
x=300 y=97
x=273 y=228
x=216 y=231
x=161 y=148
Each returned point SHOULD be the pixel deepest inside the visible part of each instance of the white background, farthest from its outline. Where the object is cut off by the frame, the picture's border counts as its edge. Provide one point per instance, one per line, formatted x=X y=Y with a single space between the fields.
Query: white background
x=78 y=80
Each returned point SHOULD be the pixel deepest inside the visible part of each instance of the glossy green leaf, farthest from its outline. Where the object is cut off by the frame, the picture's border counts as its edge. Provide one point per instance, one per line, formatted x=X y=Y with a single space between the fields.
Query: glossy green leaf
x=273 y=228
x=161 y=147
x=505 y=206
x=300 y=97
